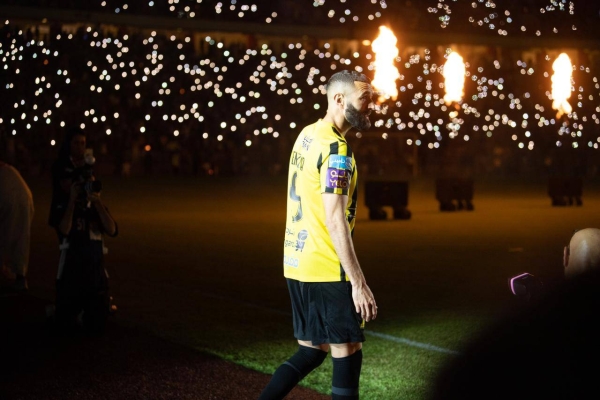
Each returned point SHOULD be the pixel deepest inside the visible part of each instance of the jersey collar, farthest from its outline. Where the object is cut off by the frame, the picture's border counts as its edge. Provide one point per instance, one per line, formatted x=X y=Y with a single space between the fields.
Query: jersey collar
x=333 y=128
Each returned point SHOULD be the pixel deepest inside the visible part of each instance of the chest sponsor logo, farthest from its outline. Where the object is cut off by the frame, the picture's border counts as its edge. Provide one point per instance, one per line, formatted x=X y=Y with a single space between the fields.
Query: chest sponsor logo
x=338 y=178
x=297 y=160
x=291 y=261
x=340 y=162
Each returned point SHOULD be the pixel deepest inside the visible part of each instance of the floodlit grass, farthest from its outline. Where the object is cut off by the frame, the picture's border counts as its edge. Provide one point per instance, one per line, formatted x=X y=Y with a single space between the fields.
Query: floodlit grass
x=260 y=338
x=389 y=371
x=195 y=264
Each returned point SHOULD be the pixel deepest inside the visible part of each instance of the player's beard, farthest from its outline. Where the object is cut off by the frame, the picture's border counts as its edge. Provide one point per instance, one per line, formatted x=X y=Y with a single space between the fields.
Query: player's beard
x=359 y=121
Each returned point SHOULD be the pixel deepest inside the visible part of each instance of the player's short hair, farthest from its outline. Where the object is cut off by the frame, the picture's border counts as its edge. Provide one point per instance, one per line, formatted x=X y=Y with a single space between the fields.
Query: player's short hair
x=347 y=78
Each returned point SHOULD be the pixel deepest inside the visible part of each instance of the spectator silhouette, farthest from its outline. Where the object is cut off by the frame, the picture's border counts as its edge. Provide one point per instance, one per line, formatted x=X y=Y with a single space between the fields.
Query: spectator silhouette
x=544 y=351
x=582 y=253
x=16 y=214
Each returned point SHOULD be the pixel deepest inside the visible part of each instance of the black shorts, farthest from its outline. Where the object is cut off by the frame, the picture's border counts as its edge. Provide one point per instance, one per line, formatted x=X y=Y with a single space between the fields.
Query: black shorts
x=324 y=312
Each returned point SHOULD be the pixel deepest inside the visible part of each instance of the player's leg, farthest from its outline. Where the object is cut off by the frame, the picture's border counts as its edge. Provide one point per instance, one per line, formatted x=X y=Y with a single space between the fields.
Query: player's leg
x=347 y=363
x=307 y=358
x=345 y=335
x=292 y=371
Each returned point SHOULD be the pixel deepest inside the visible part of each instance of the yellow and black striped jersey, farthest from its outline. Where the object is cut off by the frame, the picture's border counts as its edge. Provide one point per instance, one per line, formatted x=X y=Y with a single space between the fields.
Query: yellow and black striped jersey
x=321 y=162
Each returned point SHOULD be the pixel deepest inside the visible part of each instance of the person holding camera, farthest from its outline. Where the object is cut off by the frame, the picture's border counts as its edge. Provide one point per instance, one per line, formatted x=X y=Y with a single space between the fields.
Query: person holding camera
x=81 y=220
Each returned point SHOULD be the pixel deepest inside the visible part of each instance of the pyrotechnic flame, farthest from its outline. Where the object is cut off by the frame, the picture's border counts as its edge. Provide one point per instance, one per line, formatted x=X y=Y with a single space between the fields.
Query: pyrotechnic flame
x=454 y=74
x=386 y=73
x=561 y=84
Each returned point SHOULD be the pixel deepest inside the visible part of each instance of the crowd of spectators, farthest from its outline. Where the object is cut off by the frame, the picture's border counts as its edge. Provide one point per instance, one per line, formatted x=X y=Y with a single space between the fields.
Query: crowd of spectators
x=408 y=15
x=203 y=146
x=135 y=145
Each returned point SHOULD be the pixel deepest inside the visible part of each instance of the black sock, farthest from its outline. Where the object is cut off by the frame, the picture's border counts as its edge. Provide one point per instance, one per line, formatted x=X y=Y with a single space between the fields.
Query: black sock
x=346 y=375
x=292 y=371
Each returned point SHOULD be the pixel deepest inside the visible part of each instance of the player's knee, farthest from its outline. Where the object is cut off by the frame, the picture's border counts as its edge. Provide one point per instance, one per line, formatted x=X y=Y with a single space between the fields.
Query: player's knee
x=307 y=359
x=312 y=355
x=345 y=349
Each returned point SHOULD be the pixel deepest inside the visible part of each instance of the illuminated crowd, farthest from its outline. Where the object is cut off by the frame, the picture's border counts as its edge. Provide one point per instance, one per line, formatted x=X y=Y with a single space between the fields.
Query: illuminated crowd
x=514 y=17
x=163 y=102
x=138 y=136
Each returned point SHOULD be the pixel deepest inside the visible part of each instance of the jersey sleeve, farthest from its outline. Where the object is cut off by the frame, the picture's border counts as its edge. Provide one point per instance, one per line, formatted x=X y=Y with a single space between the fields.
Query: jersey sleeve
x=336 y=168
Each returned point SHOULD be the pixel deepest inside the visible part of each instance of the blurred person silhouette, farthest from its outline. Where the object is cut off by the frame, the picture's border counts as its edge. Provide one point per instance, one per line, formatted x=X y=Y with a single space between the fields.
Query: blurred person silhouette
x=16 y=215
x=81 y=220
x=582 y=254
x=544 y=351
x=329 y=293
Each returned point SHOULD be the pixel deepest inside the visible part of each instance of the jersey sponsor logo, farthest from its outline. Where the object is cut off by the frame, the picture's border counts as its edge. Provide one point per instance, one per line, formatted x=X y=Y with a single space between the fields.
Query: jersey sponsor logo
x=306 y=143
x=340 y=162
x=338 y=178
x=297 y=244
x=297 y=160
x=291 y=261
x=289 y=232
x=302 y=235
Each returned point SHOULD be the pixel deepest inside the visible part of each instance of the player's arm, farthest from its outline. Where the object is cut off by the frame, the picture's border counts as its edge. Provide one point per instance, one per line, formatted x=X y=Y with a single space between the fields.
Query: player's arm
x=339 y=230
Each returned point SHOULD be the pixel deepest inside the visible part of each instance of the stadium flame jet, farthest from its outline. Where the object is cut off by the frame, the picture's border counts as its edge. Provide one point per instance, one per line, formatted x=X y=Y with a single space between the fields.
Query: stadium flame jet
x=561 y=84
x=386 y=73
x=454 y=75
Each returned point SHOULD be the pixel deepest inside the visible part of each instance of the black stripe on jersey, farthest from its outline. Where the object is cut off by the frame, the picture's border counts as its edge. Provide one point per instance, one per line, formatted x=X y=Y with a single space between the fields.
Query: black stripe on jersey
x=334 y=148
x=320 y=162
x=348 y=151
x=331 y=190
x=352 y=208
x=337 y=133
x=342 y=274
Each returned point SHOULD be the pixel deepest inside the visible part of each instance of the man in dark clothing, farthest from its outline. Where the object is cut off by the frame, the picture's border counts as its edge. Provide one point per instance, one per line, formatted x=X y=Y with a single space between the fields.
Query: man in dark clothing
x=81 y=220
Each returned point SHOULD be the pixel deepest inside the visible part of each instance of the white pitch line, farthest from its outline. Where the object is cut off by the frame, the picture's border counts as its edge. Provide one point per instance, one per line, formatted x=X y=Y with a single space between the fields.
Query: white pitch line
x=385 y=336
x=412 y=343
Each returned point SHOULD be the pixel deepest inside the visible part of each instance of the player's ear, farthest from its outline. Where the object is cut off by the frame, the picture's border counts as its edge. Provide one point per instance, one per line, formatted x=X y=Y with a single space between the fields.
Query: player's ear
x=339 y=99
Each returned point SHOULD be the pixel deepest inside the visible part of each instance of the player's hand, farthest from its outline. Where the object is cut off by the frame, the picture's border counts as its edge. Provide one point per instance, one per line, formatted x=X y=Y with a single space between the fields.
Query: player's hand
x=364 y=301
